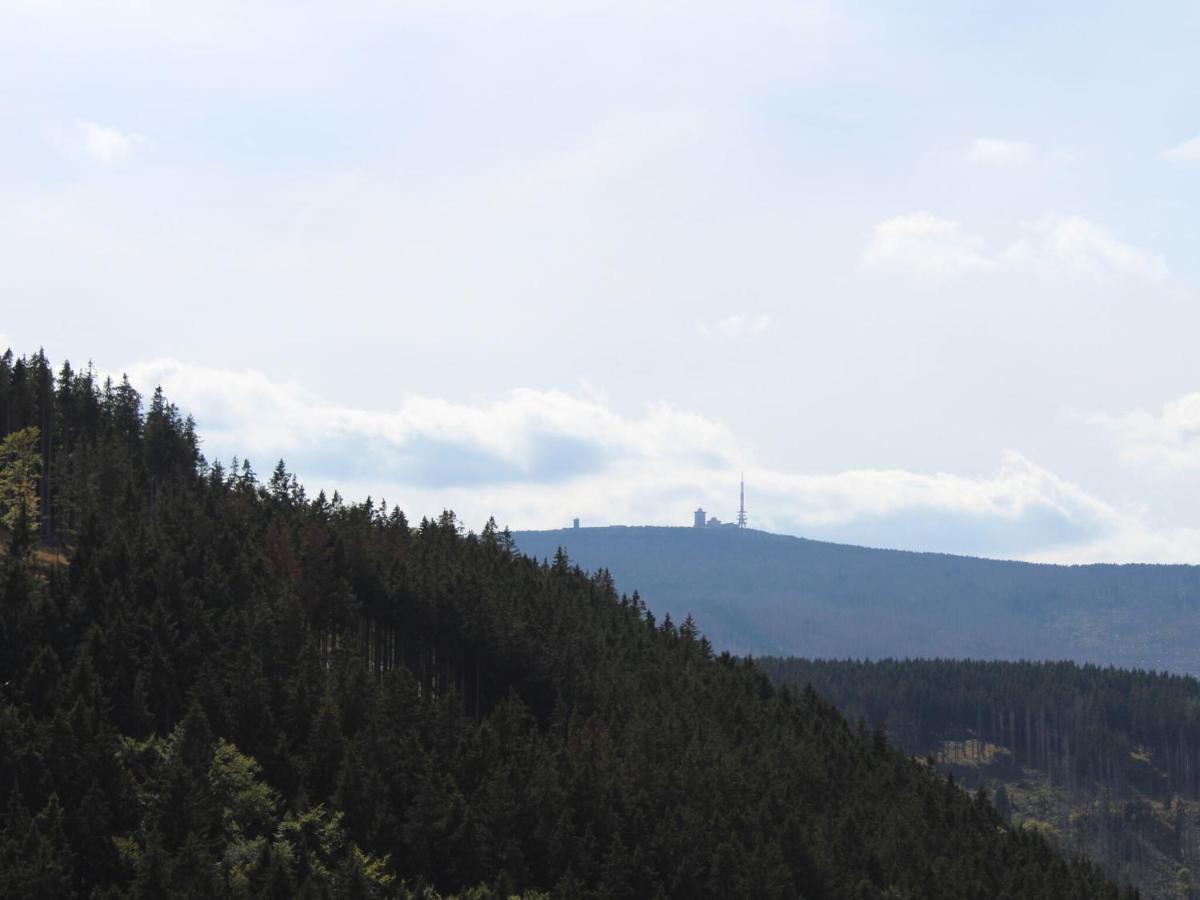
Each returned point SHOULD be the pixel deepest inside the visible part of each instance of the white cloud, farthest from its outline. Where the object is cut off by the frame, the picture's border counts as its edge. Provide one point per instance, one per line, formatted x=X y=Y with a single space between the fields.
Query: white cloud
x=736 y=325
x=1132 y=541
x=1169 y=438
x=528 y=436
x=108 y=145
x=537 y=458
x=995 y=152
x=1018 y=154
x=1085 y=248
x=1056 y=246
x=1188 y=151
x=1019 y=486
x=927 y=245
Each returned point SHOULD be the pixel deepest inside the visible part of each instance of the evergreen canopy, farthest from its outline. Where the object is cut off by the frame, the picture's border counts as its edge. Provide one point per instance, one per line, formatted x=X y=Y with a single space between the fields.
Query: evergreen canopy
x=234 y=689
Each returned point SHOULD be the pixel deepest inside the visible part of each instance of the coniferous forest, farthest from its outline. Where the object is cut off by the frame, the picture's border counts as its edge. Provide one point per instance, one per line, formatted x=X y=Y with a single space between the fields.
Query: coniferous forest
x=1106 y=761
x=216 y=684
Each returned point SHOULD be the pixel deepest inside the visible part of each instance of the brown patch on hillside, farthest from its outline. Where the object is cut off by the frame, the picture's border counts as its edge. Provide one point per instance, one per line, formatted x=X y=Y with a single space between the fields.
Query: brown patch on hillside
x=46 y=557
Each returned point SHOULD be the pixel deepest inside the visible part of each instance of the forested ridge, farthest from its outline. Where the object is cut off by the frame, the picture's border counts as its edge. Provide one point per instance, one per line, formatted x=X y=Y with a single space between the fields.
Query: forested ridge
x=216 y=685
x=1085 y=723
x=773 y=594
x=1119 y=749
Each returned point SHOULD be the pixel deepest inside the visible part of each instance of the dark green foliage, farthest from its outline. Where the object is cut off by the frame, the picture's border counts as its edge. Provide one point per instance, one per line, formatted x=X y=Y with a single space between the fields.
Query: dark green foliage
x=1119 y=749
x=249 y=693
x=1083 y=723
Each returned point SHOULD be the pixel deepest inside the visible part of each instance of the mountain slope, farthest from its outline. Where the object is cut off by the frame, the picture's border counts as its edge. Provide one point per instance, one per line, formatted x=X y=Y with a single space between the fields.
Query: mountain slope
x=760 y=593
x=1106 y=760
x=234 y=689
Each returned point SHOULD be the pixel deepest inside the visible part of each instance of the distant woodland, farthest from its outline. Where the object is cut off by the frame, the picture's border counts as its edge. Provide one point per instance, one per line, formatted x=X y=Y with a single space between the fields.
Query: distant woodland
x=768 y=594
x=1105 y=761
x=216 y=684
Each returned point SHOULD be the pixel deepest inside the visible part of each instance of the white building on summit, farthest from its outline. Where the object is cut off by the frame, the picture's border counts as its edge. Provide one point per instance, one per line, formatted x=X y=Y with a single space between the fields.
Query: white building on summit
x=700 y=517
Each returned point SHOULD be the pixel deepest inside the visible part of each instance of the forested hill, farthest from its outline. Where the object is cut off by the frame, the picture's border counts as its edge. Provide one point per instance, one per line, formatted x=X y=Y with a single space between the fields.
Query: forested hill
x=760 y=593
x=1091 y=723
x=216 y=685
x=1107 y=760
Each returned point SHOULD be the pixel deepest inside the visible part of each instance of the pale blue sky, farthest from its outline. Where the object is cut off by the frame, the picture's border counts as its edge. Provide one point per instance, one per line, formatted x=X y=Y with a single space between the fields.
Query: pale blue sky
x=927 y=272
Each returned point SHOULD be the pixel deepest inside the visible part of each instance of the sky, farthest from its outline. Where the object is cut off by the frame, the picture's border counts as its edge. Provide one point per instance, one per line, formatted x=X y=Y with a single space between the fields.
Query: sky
x=925 y=273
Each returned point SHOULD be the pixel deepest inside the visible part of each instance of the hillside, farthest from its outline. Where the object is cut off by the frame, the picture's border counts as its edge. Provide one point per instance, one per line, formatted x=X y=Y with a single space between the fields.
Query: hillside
x=236 y=689
x=1105 y=761
x=759 y=593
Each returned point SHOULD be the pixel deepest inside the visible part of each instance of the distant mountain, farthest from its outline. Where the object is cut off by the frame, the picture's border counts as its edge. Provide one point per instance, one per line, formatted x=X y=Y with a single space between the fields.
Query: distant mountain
x=760 y=593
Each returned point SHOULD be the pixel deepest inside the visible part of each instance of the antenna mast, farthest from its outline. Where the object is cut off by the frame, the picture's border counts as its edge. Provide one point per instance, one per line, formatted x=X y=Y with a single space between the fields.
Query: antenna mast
x=741 y=519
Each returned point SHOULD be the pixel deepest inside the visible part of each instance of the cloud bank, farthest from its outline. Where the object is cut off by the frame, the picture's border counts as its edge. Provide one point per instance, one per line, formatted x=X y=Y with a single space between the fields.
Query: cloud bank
x=1169 y=438
x=1056 y=246
x=928 y=246
x=535 y=459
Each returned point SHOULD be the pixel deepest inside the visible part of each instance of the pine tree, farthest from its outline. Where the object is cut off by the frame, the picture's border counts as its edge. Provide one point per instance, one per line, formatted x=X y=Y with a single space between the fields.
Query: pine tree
x=20 y=477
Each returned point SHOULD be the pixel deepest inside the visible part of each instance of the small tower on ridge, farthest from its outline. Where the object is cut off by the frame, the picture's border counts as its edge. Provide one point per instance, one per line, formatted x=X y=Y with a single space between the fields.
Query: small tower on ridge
x=741 y=519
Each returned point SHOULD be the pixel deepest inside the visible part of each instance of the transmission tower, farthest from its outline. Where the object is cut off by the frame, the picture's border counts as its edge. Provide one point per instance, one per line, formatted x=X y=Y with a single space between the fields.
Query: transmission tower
x=741 y=519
